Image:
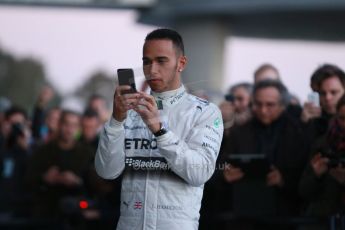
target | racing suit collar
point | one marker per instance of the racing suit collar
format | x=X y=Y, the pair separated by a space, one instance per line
x=170 y=98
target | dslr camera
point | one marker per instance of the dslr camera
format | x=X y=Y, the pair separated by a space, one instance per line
x=229 y=97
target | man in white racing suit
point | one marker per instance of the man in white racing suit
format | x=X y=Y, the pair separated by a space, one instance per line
x=165 y=144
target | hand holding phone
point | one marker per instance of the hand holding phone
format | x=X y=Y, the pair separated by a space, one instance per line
x=126 y=96
x=314 y=99
x=311 y=109
x=126 y=77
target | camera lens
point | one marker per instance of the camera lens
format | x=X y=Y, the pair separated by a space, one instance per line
x=229 y=97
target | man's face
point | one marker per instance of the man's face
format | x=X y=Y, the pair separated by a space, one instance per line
x=267 y=106
x=52 y=119
x=331 y=91
x=17 y=118
x=69 y=127
x=161 y=63
x=90 y=127
x=241 y=99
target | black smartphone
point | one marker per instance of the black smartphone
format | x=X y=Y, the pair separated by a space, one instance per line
x=126 y=77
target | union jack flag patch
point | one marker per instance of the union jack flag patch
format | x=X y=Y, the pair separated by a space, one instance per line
x=138 y=205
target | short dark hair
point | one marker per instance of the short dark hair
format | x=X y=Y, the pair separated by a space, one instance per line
x=66 y=112
x=326 y=71
x=247 y=86
x=90 y=113
x=14 y=110
x=169 y=34
x=284 y=93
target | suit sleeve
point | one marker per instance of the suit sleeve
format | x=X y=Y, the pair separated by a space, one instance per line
x=194 y=158
x=110 y=155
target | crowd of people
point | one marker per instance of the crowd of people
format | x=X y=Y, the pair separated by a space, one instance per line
x=47 y=167
x=47 y=159
x=280 y=160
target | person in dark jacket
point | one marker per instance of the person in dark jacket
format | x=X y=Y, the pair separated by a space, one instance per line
x=90 y=126
x=45 y=119
x=14 y=197
x=60 y=169
x=279 y=138
x=330 y=83
x=105 y=192
x=323 y=181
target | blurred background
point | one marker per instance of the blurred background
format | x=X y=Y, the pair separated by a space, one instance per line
x=77 y=46
x=63 y=54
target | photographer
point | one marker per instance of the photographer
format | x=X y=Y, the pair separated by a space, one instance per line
x=235 y=108
x=13 y=162
x=240 y=96
x=323 y=182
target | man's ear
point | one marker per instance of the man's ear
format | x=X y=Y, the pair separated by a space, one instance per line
x=182 y=63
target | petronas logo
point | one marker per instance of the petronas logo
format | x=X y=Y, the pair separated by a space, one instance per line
x=216 y=122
